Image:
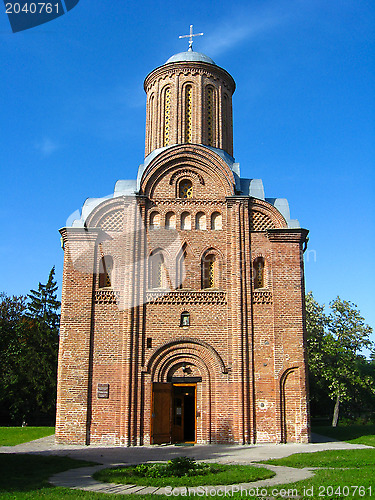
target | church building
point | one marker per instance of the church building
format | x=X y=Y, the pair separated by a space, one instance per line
x=182 y=317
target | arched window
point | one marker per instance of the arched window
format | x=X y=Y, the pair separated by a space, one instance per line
x=151 y=124
x=180 y=267
x=167 y=115
x=185 y=189
x=185 y=221
x=105 y=271
x=209 y=271
x=156 y=270
x=258 y=268
x=226 y=124
x=188 y=113
x=155 y=220
x=224 y=112
x=216 y=221
x=210 y=113
x=200 y=221
x=170 y=220
x=185 y=319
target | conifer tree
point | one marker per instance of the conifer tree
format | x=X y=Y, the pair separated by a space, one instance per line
x=43 y=304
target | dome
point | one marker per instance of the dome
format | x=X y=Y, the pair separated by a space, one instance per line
x=190 y=55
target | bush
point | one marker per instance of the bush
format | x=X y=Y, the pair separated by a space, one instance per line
x=177 y=467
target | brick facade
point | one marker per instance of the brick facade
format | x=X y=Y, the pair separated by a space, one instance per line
x=183 y=299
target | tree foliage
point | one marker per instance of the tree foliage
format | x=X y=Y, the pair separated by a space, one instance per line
x=28 y=354
x=339 y=373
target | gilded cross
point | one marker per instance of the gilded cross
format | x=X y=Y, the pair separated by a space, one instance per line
x=190 y=36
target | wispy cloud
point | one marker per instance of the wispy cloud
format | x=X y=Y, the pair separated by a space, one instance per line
x=47 y=146
x=246 y=26
x=109 y=113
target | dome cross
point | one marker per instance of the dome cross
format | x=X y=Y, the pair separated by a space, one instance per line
x=190 y=36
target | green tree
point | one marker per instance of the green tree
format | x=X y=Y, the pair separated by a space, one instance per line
x=316 y=327
x=334 y=342
x=350 y=334
x=28 y=353
x=12 y=314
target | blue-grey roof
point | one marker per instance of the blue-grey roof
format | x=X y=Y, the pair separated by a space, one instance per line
x=190 y=55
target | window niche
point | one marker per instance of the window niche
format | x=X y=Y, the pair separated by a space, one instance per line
x=155 y=220
x=185 y=319
x=105 y=271
x=185 y=189
x=216 y=221
x=185 y=221
x=209 y=271
x=259 y=273
x=210 y=121
x=156 y=270
x=167 y=115
x=188 y=113
x=200 y=221
x=170 y=220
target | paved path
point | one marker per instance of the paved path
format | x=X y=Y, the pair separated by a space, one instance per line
x=82 y=479
x=108 y=456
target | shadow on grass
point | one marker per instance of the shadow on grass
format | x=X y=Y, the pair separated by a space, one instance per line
x=22 y=473
x=360 y=434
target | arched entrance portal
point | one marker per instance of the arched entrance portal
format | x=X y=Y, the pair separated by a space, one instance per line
x=178 y=398
x=183 y=378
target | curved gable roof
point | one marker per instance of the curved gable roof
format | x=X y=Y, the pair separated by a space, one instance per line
x=201 y=158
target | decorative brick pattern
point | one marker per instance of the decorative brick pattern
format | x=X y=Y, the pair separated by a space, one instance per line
x=112 y=222
x=262 y=297
x=187 y=297
x=106 y=296
x=260 y=222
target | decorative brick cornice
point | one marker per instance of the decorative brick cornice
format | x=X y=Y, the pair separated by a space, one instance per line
x=187 y=297
x=237 y=200
x=262 y=297
x=287 y=235
x=185 y=202
x=80 y=234
x=190 y=67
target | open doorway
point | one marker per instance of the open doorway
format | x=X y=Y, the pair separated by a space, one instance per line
x=184 y=413
x=174 y=413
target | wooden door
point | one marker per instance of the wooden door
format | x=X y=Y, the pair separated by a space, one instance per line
x=161 y=412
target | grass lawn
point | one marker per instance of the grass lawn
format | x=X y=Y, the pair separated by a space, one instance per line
x=10 y=436
x=343 y=471
x=222 y=474
x=360 y=434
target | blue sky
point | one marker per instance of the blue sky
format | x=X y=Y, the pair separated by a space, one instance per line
x=73 y=111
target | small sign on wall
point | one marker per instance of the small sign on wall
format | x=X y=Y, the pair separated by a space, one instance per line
x=103 y=391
